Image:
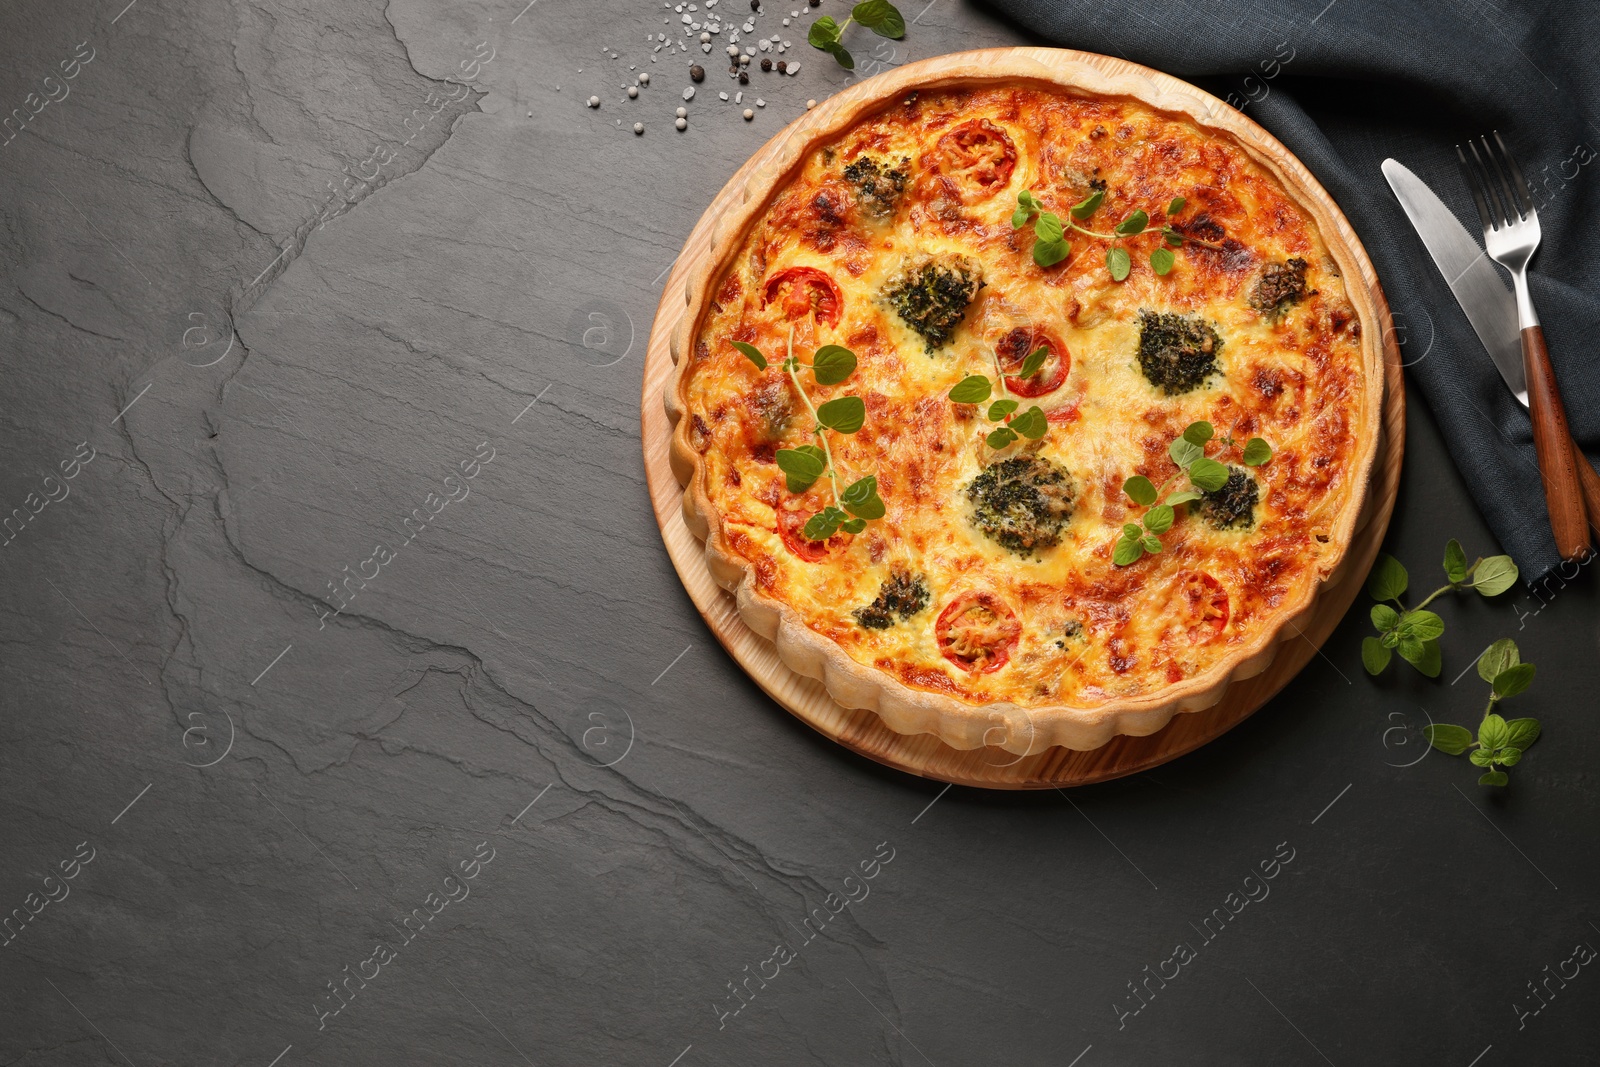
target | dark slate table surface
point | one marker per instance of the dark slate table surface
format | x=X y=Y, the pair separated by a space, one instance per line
x=275 y=281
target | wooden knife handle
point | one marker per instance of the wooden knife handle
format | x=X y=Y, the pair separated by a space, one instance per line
x=1589 y=482
x=1552 y=440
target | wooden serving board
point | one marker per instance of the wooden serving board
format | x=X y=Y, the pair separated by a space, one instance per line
x=992 y=767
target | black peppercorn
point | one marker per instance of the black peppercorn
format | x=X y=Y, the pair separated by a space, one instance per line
x=744 y=78
x=755 y=5
x=697 y=73
x=766 y=64
x=816 y=3
x=782 y=66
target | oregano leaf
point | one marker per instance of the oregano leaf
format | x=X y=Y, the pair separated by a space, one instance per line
x=1498 y=657
x=1118 y=263
x=1451 y=740
x=1388 y=579
x=1140 y=490
x=973 y=389
x=1374 y=656
x=833 y=364
x=1494 y=575
x=752 y=353
x=1256 y=452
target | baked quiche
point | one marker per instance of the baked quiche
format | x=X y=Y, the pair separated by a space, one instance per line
x=1009 y=395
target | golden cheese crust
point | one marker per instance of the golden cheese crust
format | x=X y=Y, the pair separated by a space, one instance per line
x=931 y=593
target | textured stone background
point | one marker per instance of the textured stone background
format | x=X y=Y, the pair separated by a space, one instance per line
x=285 y=266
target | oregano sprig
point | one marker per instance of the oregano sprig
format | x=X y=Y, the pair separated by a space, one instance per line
x=879 y=16
x=1500 y=743
x=858 y=502
x=1050 y=231
x=1415 y=632
x=976 y=388
x=1205 y=475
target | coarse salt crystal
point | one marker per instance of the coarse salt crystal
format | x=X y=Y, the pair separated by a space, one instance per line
x=688 y=94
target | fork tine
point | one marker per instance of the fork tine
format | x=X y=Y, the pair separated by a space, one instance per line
x=1476 y=185
x=1525 y=197
x=1513 y=213
x=1486 y=183
x=1497 y=204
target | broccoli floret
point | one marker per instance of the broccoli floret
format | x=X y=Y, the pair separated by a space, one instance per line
x=901 y=594
x=933 y=294
x=1022 y=503
x=878 y=185
x=1071 y=632
x=1177 y=352
x=1234 y=505
x=1281 y=286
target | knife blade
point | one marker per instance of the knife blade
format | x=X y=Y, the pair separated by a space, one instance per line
x=1467 y=269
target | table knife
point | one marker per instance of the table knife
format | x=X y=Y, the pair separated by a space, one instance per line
x=1488 y=304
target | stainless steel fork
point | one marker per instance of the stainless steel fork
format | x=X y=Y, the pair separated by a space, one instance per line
x=1510 y=235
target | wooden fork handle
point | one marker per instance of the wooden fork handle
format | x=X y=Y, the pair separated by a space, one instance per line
x=1552 y=440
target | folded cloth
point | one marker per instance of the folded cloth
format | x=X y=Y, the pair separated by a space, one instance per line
x=1346 y=84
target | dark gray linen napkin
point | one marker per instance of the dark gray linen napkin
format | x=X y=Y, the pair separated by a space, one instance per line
x=1348 y=83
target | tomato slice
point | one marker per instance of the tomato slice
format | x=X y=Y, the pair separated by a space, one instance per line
x=976 y=632
x=1014 y=349
x=792 y=523
x=980 y=152
x=805 y=291
x=1205 y=602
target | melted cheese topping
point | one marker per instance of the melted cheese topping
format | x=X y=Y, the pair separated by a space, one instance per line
x=1082 y=631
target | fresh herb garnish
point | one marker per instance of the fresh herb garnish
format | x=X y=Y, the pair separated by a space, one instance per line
x=976 y=388
x=1415 y=632
x=1205 y=475
x=1500 y=743
x=879 y=16
x=1050 y=230
x=858 y=502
